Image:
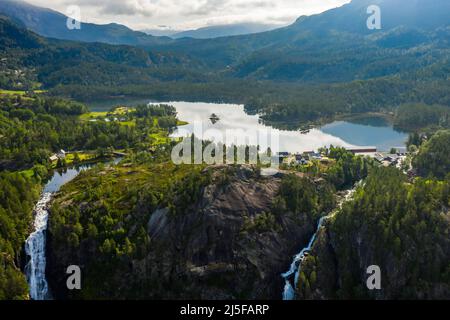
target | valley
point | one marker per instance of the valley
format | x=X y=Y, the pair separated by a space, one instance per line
x=358 y=171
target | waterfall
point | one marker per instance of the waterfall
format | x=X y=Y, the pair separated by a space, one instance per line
x=36 y=242
x=35 y=250
x=296 y=265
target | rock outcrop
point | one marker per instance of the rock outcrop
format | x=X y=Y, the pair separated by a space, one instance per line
x=226 y=245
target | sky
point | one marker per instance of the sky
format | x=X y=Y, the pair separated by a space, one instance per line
x=190 y=14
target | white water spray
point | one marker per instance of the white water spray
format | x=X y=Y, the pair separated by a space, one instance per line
x=35 y=249
x=296 y=265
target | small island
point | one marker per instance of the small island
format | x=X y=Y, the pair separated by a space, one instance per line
x=214 y=118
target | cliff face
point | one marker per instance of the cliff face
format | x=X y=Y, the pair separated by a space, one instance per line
x=226 y=245
x=344 y=277
x=217 y=249
x=402 y=228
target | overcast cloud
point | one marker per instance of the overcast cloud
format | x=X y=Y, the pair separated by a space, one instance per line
x=190 y=14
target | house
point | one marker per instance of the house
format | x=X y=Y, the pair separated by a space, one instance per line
x=402 y=151
x=379 y=157
x=312 y=155
x=61 y=154
x=388 y=159
x=300 y=159
x=393 y=158
x=281 y=156
x=362 y=150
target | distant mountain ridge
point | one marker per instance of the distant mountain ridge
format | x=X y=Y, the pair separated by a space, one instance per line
x=52 y=24
x=350 y=18
x=334 y=46
x=237 y=29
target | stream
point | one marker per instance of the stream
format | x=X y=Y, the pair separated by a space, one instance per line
x=35 y=245
x=296 y=265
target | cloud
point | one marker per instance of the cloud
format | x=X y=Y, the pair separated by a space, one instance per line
x=188 y=14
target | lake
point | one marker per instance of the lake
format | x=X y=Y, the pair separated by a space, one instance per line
x=369 y=131
x=363 y=132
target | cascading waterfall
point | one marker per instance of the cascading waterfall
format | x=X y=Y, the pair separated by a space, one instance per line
x=36 y=242
x=296 y=266
x=289 y=291
x=35 y=249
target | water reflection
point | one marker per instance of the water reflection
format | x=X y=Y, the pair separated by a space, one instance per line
x=373 y=131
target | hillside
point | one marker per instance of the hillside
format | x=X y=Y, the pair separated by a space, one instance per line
x=304 y=72
x=52 y=24
x=59 y=62
x=334 y=46
x=396 y=223
x=400 y=227
x=178 y=232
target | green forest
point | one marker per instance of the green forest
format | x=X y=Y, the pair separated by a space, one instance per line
x=143 y=227
x=298 y=89
x=34 y=127
x=31 y=129
x=18 y=196
x=398 y=224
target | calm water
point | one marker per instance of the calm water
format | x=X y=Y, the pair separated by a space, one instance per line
x=62 y=176
x=370 y=131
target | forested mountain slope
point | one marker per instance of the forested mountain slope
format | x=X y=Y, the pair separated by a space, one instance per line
x=304 y=72
x=52 y=24
x=400 y=225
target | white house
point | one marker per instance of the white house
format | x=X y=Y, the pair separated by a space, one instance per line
x=61 y=154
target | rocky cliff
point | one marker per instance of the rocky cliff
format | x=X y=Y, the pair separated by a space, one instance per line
x=228 y=243
x=403 y=228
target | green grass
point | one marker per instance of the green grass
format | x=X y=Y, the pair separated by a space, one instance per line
x=93 y=115
x=120 y=111
x=160 y=138
x=83 y=157
x=12 y=92
x=182 y=123
x=18 y=92
x=28 y=173
x=128 y=123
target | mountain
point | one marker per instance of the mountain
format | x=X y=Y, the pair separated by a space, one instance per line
x=329 y=69
x=52 y=24
x=405 y=22
x=225 y=30
x=406 y=236
x=160 y=32
x=60 y=62
x=309 y=38
x=234 y=245
x=352 y=17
